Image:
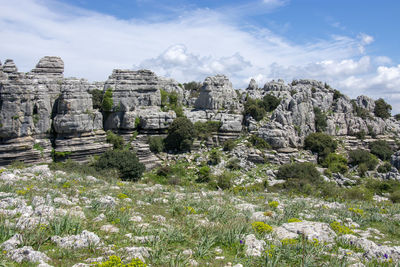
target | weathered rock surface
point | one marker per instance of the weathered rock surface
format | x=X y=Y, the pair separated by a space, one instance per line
x=217 y=93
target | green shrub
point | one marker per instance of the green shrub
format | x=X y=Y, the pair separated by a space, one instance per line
x=261 y=227
x=126 y=162
x=254 y=108
x=397 y=117
x=204 y=130
x=203 y=174
x=359 y=111
x=156 y=144
x=258 y=108
x=395 y=196
x=270 y=102
x=224 y=180
x=97 y=98
x=385 y=167
x=169 y=101
x=335 y=163
x=116 y=140
x=381 y=149
x=382 y=109
x=302 y=171
x=320 y=120
x=164 y=171
x=320 y=143
x=359 y=156
x=115 y=261
x=215 y=157
x=357 y=193
x=107 y=103
x=233 y=164
x=380 y=187
x=229 y=145
x=180 y=135
x=360 y=135
x=259 y=142
x=337 y=94
x=60 y=156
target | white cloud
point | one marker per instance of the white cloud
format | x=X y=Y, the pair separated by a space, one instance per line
x=192 y=46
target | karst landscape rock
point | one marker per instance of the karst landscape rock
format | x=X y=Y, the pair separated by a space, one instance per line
x=225 y=201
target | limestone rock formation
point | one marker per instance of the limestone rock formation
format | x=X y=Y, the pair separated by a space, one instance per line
x=77 y=124
x=217 y=93
x=294 y=118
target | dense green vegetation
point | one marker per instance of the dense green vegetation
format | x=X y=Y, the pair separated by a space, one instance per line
x=320 y=143
x=258 y=108
x=180 y=135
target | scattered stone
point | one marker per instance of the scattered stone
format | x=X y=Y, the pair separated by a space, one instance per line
x=253 y=246
x=83 y=240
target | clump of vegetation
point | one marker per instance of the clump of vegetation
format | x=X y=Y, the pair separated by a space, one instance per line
x=204 y=130
x=107 y=103
x=320 y=143
x=116 y=140
x=293 y=220
x=335 y=163
x=124 y=161
x=97 y=98
x=180 y=135
x=337 y=94
x=340 y=229
x=359 y=111
x=60 y=155
x=395 y=196
x=365 y=160
x=300 y=177
x=214 y=157
x=361 y=135
x=259 y=142
x=115 y=261
x=385 y=167
x=261 y=228
x=169 y=101
x=156 y=144
x=382 y=109
x=258 y=108
x=233 y=164
x=273 y=204
x=320 y=120
x=305 y=171
x=224 y=180
x=397 y=117
x=229 y=145
x=381 y=149
x=204 y=174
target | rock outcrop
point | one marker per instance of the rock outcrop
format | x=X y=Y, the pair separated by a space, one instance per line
x=41 y=111
x=78 y=127
x=294 y=118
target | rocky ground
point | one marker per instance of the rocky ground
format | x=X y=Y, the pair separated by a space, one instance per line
x=57 y=218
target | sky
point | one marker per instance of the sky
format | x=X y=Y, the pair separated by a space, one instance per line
x=353 y=45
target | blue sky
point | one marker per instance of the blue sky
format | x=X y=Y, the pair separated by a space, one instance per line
x=351 y=44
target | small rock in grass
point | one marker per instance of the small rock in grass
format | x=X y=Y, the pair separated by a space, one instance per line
x=12 y=243
x=99 y=218
x=159 y=218
x=135 y=252
x=135 y=219
x=109 y=228
x=83 y=240
x=187 y=252
x=193 y=263
x=27 y=254
x=253 y=246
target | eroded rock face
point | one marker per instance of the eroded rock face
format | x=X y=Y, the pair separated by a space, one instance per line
x=217 y=93
x=294 y=118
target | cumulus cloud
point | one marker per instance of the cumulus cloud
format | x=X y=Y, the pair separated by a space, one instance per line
x=192 y=46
